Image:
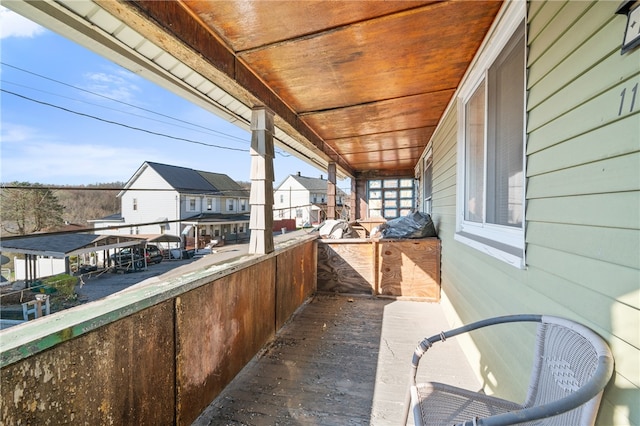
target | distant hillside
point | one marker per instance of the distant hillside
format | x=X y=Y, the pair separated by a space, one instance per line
x=85 y=202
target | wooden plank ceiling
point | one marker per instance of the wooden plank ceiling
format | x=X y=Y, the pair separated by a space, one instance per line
x=366 y=82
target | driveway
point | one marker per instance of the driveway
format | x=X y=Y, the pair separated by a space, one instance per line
x=98 y=285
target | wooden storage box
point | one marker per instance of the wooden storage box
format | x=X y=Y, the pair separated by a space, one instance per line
x=399 y=268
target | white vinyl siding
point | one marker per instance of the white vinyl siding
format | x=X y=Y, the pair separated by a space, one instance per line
x=155 y=199
x=289 y=198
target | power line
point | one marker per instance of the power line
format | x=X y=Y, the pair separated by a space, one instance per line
x=281 y=153
x=116 y=227
x=229 y=216
x=119 y=101
x=125 y=125
x=209 y=131
x=83 y=188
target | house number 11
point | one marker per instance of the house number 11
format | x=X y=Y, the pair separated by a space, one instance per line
x=633 y=99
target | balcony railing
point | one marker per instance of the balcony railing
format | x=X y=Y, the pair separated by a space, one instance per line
x=161 y=352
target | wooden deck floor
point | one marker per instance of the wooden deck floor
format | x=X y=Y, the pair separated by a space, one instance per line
x=340 y=361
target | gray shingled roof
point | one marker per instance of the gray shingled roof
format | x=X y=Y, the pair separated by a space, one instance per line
x=315 y=184
x=184 y=179
x=224 y=184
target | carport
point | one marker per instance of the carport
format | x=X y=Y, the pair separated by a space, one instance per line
x=62 y=247
x=163 y=241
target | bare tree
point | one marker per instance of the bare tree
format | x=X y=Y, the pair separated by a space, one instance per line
x=29 y=207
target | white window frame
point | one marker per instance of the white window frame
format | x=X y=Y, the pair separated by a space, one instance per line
x=386 y=196
x=427 y=196
x=195 y=205
x=501 y=242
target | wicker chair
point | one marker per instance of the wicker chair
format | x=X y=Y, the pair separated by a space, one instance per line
x=572 y=365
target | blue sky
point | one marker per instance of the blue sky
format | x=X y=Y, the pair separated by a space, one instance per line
x=57 y=96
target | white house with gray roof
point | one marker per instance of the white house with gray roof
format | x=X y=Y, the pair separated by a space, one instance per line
x=166 y=199
x=305 y=199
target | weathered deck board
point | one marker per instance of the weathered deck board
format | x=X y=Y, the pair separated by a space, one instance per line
x=339 y=361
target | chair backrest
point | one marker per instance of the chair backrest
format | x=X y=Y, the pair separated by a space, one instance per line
x=567 y=356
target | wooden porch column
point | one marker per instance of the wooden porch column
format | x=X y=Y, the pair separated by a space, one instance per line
x=353 y=202
x=331 y=191
x=261 y=197
x=359 y=206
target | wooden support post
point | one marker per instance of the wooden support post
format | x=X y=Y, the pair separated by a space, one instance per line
x=262 y=177
x=331 y=191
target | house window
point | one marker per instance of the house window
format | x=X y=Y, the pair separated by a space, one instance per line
x=191 y=204
x=281 y=198
x=135 y=204
x=209 y=204
x=427 y=182
x=390 y=198
x=299 y=213
x=231 y=205
x=490 y=208
x=243 y=205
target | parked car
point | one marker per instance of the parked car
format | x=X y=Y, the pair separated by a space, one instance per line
x=124 y=259
x=151 y=252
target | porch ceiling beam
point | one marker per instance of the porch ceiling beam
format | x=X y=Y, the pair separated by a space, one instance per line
x=375 y=174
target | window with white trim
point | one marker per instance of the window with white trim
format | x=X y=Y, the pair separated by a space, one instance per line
x=427 y=181
x=390 y=198
x=491 y=179
x=192 y=204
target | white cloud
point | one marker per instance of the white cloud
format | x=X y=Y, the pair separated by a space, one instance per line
x=15 y=133
x=32 y=157
x=118 y=86
x=15 y=25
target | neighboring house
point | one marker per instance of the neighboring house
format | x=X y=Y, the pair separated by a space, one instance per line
x=547 y=219
x=305 y=200
x=165 y=199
